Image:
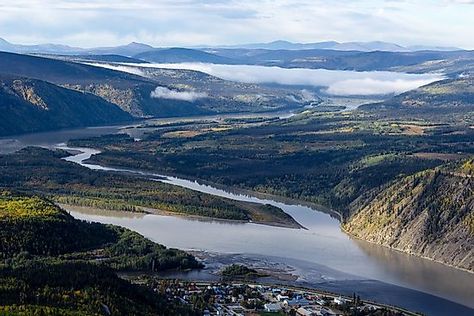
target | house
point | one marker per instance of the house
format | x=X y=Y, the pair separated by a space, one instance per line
x=325 y=311
x=320 y=301
x=281 y=297
x=296 y=302
x=272 y=307
x=339 y=300
x=307 y=311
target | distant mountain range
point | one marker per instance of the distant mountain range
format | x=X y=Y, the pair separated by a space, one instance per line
x=180 y=55
x=356 y=56
x=134 y=49
x=124 y=50
x=347 y=46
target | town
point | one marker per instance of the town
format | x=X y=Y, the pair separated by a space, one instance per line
x=242 y=298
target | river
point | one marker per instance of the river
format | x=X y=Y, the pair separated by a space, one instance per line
x=320 y=254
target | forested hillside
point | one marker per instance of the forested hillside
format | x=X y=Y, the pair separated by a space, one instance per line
x=453 y=94
x=43 y=171
x=430 y=214
x=53 y=264
x=132 y=92
x=29 y=105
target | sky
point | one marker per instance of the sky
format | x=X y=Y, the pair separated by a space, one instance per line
x=92 y=23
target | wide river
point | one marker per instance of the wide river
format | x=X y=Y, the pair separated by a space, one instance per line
x=320 y=254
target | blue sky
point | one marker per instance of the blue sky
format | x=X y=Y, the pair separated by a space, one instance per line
x=196 y=22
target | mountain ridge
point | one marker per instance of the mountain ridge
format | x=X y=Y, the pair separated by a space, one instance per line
x=32 y=105
x=343 y=46
x=135 y=48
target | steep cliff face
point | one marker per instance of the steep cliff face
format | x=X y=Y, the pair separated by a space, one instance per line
x=126 y=99
x=430 y=214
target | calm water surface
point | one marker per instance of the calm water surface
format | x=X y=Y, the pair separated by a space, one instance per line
x=322 y=243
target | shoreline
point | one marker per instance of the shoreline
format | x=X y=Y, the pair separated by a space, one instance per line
x=405 y=252
x=319 y=207
x=239 y=191
x=134 y=277
x=157 y=212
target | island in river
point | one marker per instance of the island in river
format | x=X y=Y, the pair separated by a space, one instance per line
x=321 y=245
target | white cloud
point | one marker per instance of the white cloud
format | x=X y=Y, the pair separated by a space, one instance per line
x=371 y=86
x=335 y=82
x=193 y=22
x=127 y=69
x=165 y=93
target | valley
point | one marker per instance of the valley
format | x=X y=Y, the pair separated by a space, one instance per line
x=163 y=228
x=340 y=170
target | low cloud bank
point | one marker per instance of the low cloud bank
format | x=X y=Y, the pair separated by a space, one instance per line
x=128 y=69
x=334 y=82
x=165 y=93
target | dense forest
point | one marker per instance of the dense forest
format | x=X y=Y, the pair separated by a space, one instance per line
x=30 y=105
x=238 y=271
x=343 y=161
x=48 y=231
x=53 y=264
x=43 y=171
x=330 y=159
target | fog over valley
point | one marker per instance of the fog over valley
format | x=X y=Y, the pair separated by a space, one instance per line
x=333 y=82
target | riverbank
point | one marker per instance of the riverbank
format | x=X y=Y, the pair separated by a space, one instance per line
x=290 y=275
x=406 y=252
x=150 y=211
x=319 y=207
x=213 y=187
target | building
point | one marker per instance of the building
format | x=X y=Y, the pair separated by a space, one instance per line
x=272 y=307
x=339 y=300
x=281 y=297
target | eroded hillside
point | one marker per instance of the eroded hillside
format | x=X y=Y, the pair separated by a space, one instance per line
x=430 y=214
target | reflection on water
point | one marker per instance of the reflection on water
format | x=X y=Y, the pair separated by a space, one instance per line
x=322 y=244
x=423 y=274
x=51 y=139
x=100 y=212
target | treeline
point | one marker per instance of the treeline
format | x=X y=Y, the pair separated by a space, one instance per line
x=96 y=203
x=77 y=288
x=53 y=264
x=31 y=226
x=332 y=169
x=41 y=170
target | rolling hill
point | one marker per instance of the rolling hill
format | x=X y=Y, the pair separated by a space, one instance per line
x=451 y=94
x=30 y=105
x=337 y=59
x=53 y=264
x=181 y=55
x=132 y=92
